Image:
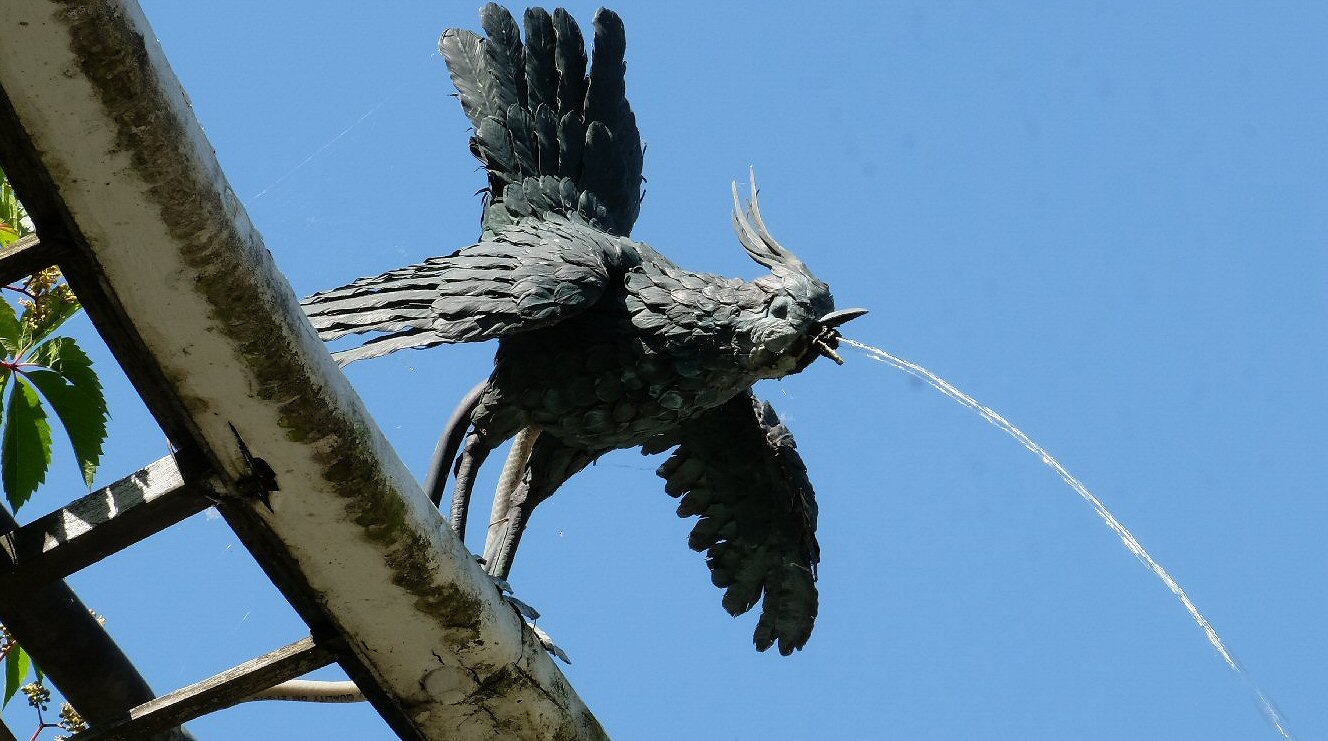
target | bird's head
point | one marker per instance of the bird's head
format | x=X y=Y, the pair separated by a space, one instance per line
x=799 y=323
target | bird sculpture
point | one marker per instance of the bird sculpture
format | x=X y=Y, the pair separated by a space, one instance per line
x=603 y=342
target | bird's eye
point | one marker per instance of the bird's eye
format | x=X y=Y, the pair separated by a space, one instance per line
x=779 y=308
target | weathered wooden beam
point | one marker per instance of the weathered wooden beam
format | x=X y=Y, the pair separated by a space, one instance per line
x=25 y=257
x=101 y=128
x=97 y=525
x=75 y=651
x=214 y=693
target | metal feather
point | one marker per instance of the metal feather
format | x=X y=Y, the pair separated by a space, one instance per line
x=505 y=58
x=464 y=53
x=541 y=71
x=570 y=61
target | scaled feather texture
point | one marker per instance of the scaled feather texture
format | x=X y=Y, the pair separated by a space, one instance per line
x=603 y=342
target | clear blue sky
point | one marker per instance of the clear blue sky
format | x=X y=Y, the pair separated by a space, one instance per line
x=1105 y=220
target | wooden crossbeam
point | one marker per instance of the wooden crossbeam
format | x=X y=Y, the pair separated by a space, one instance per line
x=75 y=651
x=25 y=257
x=221 y=691
x=97 y=525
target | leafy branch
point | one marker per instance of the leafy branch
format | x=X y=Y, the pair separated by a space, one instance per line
x=37 y=368
x=17 y=667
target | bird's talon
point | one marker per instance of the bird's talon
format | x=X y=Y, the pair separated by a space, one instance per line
x=522 y=608
x=505 y=589
x=546 y=641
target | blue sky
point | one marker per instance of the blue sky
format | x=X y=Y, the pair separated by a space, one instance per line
x=1104 y=220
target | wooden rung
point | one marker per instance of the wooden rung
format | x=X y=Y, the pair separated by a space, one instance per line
x=221 y=691
x=25 y=257
x=97 y=525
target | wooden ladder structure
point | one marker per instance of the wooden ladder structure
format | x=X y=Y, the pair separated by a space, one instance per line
x=101 y=144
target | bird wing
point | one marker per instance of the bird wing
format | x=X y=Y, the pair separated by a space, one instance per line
x=564 y=160
x=555 y=140
x=738 y=468
x=532 y=274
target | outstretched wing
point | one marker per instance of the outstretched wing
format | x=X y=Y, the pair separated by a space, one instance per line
x=531 y=275
x=564 y=161
x=737 y=466
x=554 y=139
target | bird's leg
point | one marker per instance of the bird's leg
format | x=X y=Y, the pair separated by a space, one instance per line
x=510 y=512
x=537 y=466
x=450 y=442
x=547 y=464
x=477 y=449
x=511 y=509
x=508 y=500
x=472 y=457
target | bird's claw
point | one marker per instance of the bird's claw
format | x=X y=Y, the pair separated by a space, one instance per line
x=546 y=641
x=505 y=589
x=522 y=608
x=529 y=615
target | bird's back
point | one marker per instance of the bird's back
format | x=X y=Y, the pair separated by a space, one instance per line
x=659 y=347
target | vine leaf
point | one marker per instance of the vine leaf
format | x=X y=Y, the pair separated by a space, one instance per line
x=11 y=332
x=12 y=214
x=74 y=392
x=25 y=453
x=16 y=670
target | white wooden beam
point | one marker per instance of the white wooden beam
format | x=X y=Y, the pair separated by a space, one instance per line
x=102 y=128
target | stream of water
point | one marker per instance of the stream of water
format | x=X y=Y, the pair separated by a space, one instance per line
x=940 y=384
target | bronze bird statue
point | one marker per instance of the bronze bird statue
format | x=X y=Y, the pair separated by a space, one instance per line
x=603 y=342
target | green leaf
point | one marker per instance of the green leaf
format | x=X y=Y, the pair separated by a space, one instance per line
x=82 y=414
x=77 y=397
x=57 y=306
x=8 y=234
x=11 y=332
x=11 y=212
x=25 y=453
x=64 y=356
x=16 y=670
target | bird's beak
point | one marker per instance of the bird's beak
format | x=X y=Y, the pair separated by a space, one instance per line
x=836 y=318
x=827 y=339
